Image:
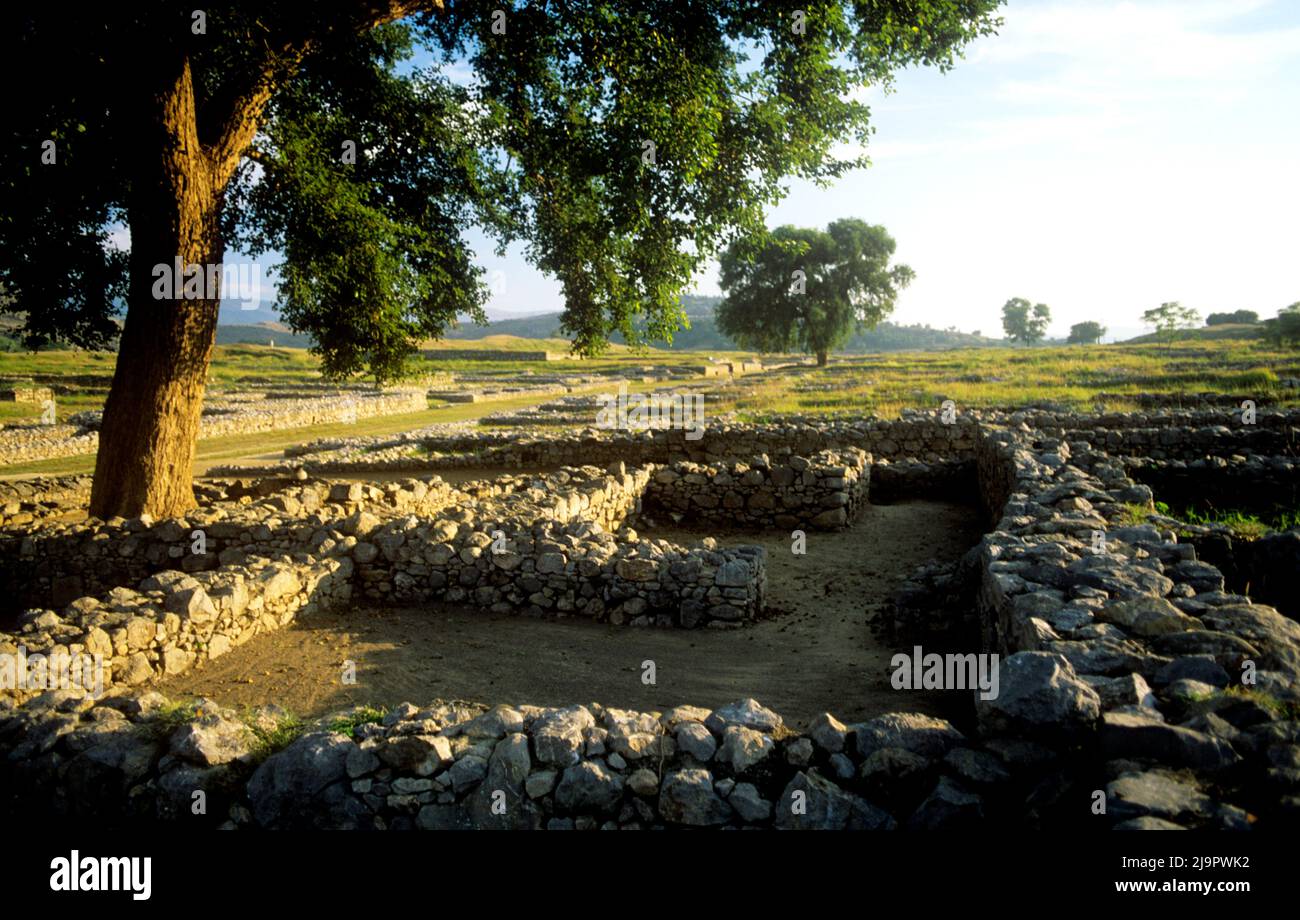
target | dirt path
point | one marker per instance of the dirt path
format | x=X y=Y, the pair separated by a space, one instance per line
x=814 y=653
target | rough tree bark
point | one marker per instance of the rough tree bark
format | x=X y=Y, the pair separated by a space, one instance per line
x=184 y=160
x=151 y=417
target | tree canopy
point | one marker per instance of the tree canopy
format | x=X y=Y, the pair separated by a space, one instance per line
x=1169 y=317
x=1086 y=333
x=623 y=143
x=1247 y=317
x=806 y=289
x=1024 y=323
x=1284 y=329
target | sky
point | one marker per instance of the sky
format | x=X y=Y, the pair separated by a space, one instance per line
x=1100 y=157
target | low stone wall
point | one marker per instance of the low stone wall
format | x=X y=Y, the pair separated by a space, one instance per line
x=489 y=354
x=454 y=765
x=1087 y=424
x=26 y=394
x=1257 y=484
x=1138 y=646
x=1128 y=677
x=824 y=491
x=541 y=552
x=247 y=416
x=23 y=501
x=511 y=544
x=917 y=437
x=54 y=563
x=25 y=443
x=175 y=621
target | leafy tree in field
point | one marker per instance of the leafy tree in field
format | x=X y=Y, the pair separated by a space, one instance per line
x=1023 y=323
x=1087 y=333
x=624 y=143
x=1284 y=329
x=1169 y=317
x=808 y=289
x=1247 y=317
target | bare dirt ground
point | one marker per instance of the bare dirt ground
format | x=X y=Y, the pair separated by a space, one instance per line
x=814 y=652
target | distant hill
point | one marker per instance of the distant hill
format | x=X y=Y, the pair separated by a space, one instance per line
x=1225 y=331
x=703 y=335
x=507 y=342
x=233 y=313
x=262 y=334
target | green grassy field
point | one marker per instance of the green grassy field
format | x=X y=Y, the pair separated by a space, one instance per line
x=267 y=445
x=1107 y=377
x=1078 y=377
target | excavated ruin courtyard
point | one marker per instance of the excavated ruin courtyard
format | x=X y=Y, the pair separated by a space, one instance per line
x=814 y=648
x=505 y=624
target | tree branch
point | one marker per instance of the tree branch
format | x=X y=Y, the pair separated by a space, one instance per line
x=240 y=116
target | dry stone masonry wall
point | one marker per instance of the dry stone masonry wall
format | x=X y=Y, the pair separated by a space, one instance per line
x=1128 y=666
x=824 y=491
x=245 y=412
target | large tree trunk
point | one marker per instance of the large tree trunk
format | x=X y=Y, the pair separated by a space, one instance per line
x=151 y=418
x=821 y=359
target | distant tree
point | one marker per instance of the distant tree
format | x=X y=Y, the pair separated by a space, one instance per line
x=1023 y=323
x=1169 y=317
x=1248 y=317
x=808 y=289
x=1285 y=328
x=1086 y=333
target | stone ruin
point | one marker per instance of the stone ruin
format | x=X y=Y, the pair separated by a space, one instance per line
x=247 y=410
x=1134 y=672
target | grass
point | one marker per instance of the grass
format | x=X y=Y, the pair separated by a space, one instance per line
x=1241 y=523
x=1281 y=709
x=279 y=735
x=1134 y=514
x=268 y=734
x=175 y=713
x=1078 y=377
x=363 y=715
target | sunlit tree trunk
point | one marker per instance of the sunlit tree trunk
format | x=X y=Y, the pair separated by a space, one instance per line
x=151 y=418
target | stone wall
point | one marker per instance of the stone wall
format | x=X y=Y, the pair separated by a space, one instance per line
x=489 y=354
x=175 y=621
x=253 y=412
x=1126 y=669
x=54 y=563
x=1166 y=671
x=543 y=551
x=26 y=394
x=1258 y=484
x=918 y=437
x=23 y=501
x=824 y=491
